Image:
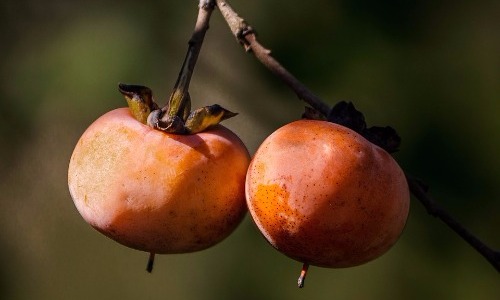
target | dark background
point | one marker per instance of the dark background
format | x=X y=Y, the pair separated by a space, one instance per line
x=431 y=70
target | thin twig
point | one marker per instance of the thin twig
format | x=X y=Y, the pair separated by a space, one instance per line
x=246 y=36
x=419 y=190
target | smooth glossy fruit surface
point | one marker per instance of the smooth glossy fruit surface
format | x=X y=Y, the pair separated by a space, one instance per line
x=158 y=192
x=322 y=194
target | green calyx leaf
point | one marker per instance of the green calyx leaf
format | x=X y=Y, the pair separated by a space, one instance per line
x=206 y=117
x=139 y=99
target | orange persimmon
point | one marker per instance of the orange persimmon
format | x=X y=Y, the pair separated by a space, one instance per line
x=155 y=191
x=324 y=195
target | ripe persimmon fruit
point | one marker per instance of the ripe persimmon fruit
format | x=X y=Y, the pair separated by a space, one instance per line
x=156 y=191
x=323 y=195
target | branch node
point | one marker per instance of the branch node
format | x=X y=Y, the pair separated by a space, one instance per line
x=241 y=35
x=244 y=31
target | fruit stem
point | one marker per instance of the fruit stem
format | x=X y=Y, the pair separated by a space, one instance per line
x=151 y=262
x=179 y=103
x=302 y=277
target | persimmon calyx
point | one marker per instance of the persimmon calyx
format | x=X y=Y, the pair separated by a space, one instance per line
x=345 y=114
x=176 y=117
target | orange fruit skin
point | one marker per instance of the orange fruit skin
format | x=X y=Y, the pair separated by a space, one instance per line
x=158 y=192
x=322 y=194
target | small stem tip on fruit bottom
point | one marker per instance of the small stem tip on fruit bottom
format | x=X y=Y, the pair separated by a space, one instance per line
x=151 y=262
x=302 y=277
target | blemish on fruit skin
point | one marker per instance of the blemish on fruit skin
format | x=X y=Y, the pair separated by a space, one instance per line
x=281 y=215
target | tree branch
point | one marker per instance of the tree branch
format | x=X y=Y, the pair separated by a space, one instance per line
x=246 y=36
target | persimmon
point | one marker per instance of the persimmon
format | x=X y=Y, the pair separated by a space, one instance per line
x=156 y=191
x=323 y=195
x=162 y=180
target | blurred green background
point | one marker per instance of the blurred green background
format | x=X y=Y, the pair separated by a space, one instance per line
x=431 y=69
